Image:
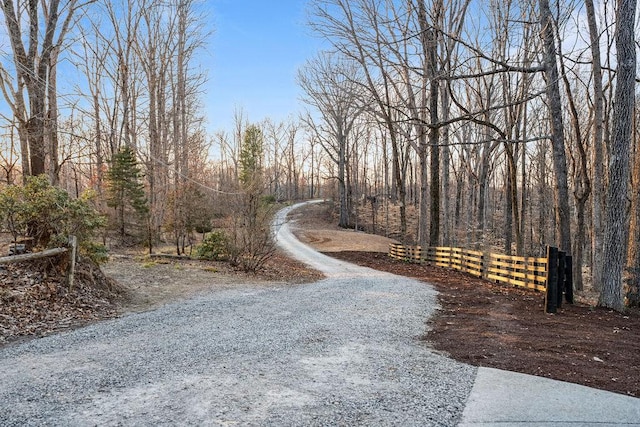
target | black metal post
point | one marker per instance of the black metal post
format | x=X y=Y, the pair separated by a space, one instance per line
x=551 y=296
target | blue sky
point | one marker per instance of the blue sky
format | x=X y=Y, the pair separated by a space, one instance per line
x=256 y=49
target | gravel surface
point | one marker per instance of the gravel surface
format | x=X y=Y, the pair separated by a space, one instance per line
x=346 y=350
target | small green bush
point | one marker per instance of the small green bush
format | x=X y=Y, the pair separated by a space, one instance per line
x=213 y=247
x=269 y=199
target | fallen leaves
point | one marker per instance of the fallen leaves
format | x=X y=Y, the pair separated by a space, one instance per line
x=35 y=300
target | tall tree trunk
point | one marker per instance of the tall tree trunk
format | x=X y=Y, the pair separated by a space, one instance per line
x=446 y=184
x=343 y=220
x=434 y=154
x=513 y=211
x=35 y=132
x=524 y=193
x=563 y=219
x=423 y=195
x=483 y=183
x=508 y=215
x=431 y=58
x=24 y=150
x=633 y=262
x=597 y=156
x=52 y=120
x=98 y=147
x=617 y=225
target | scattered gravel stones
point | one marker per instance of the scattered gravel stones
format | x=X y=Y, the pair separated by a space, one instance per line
x=342 y=351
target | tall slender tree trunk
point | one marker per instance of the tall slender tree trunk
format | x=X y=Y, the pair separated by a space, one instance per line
x=597 y=156
x=617 y=224
x=52 y=120
x=446 y=183
x=508 y=215
x=430 y=93
x=423 y=196
x=482 y=197
x=513 y=212
x=563 y=218
x=524 y=193
x=343 y=220
x=398 y=190
x=434 y=154
x=431 y=58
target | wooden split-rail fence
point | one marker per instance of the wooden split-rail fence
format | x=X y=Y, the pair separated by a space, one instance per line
x=550 y=274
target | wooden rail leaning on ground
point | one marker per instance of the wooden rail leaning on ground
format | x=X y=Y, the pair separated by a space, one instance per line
x=32 y=256
x=73 y=248
x=551 y=274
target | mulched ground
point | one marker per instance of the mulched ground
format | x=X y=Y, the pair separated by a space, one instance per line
x=490 y=325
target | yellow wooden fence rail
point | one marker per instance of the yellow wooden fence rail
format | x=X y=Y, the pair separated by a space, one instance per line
x=551 y=274
x=525 y=272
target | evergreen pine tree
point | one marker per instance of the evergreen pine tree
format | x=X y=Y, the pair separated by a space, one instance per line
x=124 y=190
x=251 y=154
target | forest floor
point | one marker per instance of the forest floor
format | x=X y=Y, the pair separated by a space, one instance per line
x=479 y=323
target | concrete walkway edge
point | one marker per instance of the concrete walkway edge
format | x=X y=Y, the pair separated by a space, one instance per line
x=502 y=398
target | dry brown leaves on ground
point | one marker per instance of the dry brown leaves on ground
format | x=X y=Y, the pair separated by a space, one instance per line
x=36 y=300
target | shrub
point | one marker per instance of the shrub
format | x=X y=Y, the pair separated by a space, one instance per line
x=213 y=247
x=49 y=215
x=269 y=199
x=13 y=211
x=97 y=252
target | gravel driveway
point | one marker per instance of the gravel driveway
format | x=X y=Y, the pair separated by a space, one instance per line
x=346 y=350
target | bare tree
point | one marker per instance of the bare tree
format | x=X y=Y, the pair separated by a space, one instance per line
x=9 y=155
x=371 y=50
x=274 y=136
x=328 y=82
x=35 y=61
x=579 y=167
x=292 y=162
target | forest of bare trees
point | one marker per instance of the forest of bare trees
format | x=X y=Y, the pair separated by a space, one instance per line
x=505 y=124
x=495 y=125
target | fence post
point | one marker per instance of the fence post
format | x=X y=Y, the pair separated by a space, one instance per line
x=568 y=279
x=551 y=296
x=73 y=242
x=562 y=256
